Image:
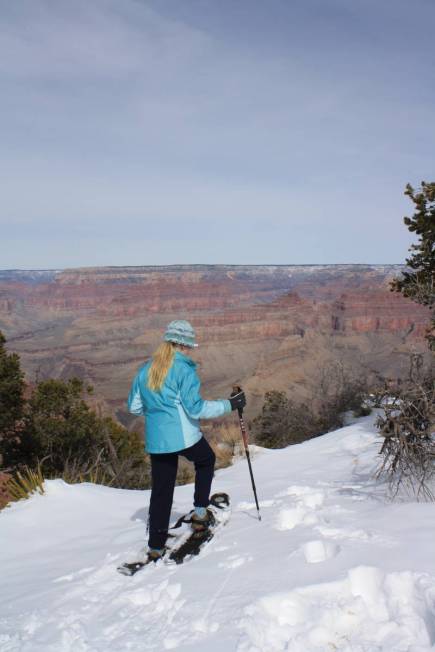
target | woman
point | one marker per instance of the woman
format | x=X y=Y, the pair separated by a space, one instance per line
x=166 y=391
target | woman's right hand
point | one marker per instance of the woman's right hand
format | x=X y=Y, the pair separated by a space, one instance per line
x=238 y=400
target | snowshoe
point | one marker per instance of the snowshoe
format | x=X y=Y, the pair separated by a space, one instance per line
x=131 y=568
x=193 y=545
x=184 y=547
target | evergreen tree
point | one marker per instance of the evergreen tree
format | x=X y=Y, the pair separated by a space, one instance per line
x=11 y=398
x=56 y=428
x=58 y=425
x=70 y=440
x=418 y=281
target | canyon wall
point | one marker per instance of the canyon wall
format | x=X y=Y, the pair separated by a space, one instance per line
x=265 y=327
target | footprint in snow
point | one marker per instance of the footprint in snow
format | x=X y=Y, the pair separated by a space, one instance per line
x=288 y=518
x=245 y=505
x=234 y=561
x=354 y=535
x=223 y=548
x=204 y=627
x=71 y=576
x=343 y=533
x=317 y=551
x=308 y=496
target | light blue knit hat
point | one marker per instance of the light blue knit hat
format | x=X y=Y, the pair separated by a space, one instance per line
x=180 y=332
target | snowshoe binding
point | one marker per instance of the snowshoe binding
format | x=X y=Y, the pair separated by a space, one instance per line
x=203 y=530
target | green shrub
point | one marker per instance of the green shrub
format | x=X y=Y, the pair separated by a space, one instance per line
x=68 y=439
x=283 y=421
x=11 y=399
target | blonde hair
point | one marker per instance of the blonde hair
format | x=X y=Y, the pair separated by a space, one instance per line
x=163 y=357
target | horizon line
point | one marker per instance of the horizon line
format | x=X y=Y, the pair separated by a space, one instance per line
x=86 y=267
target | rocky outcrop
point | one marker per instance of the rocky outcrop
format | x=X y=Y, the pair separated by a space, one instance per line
x=373 y=310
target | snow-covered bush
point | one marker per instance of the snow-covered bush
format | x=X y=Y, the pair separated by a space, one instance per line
x=407 y=423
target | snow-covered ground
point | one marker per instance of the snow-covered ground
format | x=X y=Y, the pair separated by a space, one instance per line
x=333 y=566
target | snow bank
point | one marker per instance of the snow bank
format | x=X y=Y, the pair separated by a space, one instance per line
x=369 y=611
x=332 y=566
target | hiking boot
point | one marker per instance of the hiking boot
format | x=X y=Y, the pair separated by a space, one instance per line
x=200 y=523
x=154 y=554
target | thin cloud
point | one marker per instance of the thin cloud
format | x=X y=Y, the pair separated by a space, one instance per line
x=149 y=115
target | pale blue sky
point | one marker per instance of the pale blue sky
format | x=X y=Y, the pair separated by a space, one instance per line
x=212 y=131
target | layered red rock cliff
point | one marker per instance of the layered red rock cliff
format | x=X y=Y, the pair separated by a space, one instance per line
x=267 y=327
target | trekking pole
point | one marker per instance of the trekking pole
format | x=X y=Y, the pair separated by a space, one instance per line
x=236 y=390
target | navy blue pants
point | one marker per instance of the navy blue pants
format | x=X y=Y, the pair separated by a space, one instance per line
x=163 y=473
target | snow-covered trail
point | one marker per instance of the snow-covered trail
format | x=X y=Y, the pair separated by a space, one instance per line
x=332 y=566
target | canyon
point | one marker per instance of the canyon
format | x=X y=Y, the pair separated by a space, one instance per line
x=264 y=327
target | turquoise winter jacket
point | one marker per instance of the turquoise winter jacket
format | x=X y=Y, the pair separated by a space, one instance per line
x=172 y=414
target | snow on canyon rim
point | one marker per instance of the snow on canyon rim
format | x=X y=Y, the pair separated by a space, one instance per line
x=334 y=565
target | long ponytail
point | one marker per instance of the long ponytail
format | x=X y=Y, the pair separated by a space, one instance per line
x=163 y=358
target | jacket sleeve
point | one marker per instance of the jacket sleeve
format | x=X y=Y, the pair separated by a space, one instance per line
x=195 y=406
x=134 y=402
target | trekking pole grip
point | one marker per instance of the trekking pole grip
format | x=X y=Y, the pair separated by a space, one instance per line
x=236 y=390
